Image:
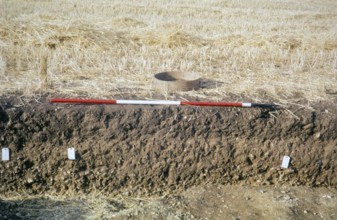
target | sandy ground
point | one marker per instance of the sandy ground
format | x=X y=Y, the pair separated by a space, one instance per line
x=203 y=202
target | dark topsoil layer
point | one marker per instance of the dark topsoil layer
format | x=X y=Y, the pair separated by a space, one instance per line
x=152 y=150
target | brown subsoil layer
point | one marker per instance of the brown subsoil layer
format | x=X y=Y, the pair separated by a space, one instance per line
x=137 y=150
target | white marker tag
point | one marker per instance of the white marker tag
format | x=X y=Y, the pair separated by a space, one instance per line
x=285 y=162
x=5 y=154
x=71 y=153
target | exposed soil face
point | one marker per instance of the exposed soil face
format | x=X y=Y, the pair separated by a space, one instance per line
x=134 y=150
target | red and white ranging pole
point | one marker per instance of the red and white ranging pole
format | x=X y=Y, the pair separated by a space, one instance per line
x=161 y=102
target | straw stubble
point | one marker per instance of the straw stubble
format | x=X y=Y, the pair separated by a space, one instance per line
x=43 y=71
x=282 y=50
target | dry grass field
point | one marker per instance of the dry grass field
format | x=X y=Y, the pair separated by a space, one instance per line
x=282 y=50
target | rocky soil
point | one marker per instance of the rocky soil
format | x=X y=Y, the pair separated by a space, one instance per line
x=137 y=151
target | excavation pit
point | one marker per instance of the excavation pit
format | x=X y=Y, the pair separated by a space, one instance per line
x=152 y=150
x=177 y=81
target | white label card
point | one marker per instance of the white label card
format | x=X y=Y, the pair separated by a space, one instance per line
x=71 y=153
x=285 y=162
x=5 y=154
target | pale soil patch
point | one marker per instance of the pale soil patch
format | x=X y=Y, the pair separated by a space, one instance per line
x=203 y=202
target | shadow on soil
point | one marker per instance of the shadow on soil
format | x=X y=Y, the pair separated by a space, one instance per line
x=210 y=84
x=41 y=208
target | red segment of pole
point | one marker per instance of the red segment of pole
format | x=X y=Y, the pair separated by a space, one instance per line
x=84 y=101
x=224 y=104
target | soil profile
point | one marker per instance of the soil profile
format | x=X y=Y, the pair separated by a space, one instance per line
x=139 y=150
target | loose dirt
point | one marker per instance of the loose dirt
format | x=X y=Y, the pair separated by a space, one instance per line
x=191 y=155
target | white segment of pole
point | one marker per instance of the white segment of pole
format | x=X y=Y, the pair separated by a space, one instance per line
x=148 y=102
